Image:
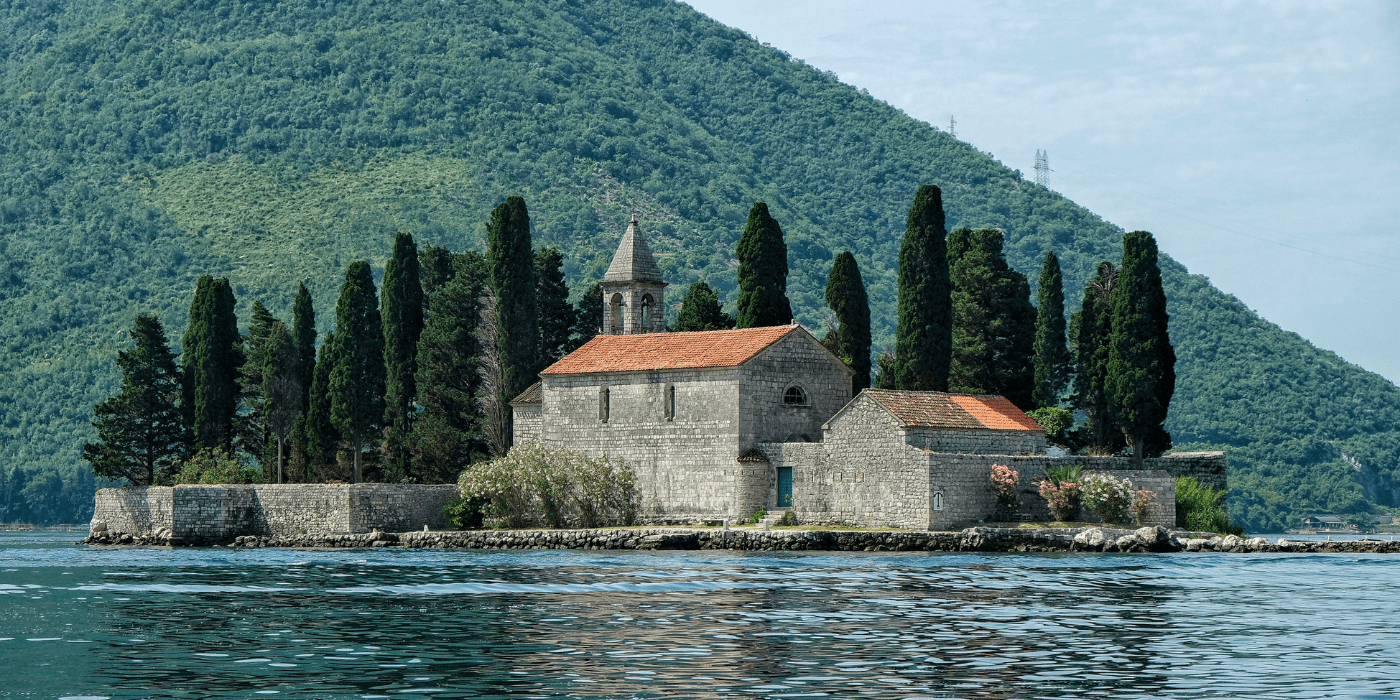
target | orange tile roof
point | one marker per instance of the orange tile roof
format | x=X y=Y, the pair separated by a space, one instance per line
x=652 y=351
x=935 y=409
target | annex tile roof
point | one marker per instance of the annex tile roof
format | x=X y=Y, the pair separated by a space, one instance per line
x=935 y=409
x=652 y=351
x=753 y=455
x=532 y=395
x=633 y=261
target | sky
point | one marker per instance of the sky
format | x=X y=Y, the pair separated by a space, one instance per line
x=1259 y=142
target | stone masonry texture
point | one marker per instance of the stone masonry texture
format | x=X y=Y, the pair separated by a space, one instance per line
x=200 y=514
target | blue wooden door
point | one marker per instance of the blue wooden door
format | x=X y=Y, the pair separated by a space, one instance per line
x=784 y=487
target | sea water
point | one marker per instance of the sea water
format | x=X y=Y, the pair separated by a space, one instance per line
x=80 y=622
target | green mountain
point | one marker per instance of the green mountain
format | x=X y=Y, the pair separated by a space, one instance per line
x=146 y=142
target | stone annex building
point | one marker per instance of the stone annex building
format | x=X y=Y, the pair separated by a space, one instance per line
x=721 y=424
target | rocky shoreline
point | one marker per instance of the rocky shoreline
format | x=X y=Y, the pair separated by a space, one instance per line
x=976 y=539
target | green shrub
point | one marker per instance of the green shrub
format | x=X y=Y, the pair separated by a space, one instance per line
x=1055 y=421
x=533 y=485
x=463 y=513
x=1064 y=473
x=758 y=516
x=210 y=466
x=1202 y=509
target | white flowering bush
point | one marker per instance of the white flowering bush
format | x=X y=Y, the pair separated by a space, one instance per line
x=1109 y=496
x=533 y=485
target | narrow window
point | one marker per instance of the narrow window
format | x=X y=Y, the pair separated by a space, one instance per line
x=603 y=408
x=794 y=396
x=615 y=320
x=646 y=313
x=670 y=402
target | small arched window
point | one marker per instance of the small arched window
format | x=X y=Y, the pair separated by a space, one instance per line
x=604 y=407
x=795 y=396
x=646 y=312
x=615 y=317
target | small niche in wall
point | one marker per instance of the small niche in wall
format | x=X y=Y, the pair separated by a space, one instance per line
x=938 y=500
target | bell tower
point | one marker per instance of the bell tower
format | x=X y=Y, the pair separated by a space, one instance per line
x=633 y=291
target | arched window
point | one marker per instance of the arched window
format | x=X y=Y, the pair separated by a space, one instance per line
x=795 y=396
x=604 y=407
x=615 y=317
x=646 y=312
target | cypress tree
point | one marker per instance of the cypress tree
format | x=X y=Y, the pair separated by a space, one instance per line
x=557 y=316
x=402 y=316
x=212 y=358
x=319 y=435
x=993 y=320
x=254 y=435
x=511 y=274
x=1090 y=329
x=140 y=431
x=435 y=268
x=924 y=337
x=304 y=336
x=1052 y=361
x=357 y=378
x=763 y=271
x=283 y=396
x=700 y=310
x=845 y=294
x=589 y=316
x=1141 y=361
x=448 y=430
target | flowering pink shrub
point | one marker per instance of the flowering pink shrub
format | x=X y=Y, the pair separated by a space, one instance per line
x=1143 y=503
x=1109 y=496
x=1004 y=480
x=1063 y=497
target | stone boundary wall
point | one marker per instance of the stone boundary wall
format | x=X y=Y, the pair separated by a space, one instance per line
x=1092 y=540
x=207 y=514
x=135 y=511
x=1208 y=467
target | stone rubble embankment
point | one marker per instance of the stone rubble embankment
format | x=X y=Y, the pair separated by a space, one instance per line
x=975 y=539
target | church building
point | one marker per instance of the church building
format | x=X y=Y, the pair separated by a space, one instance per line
x=720 y=424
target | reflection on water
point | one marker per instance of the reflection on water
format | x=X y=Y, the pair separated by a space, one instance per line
x=394 y=623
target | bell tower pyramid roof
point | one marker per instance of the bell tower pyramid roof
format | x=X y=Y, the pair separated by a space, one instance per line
x=633 y=261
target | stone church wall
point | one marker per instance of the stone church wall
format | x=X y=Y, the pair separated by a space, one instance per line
x=793 y=360
x=526 y=424
x=686 y=468
x=994 y=442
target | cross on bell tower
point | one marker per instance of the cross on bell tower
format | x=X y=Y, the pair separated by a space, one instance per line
x=633 y=291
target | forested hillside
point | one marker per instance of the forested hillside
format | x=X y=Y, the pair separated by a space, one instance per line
x=146 y=142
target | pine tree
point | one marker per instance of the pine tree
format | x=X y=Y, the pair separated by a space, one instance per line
x=993 y=320
x=557 y=316
x=141 y=431
x=1053 y=363
x=511 y=270
x=449 y=378
x=1141 y=361
x=1090 y=329
x=589 y=316
x=212 y=359
x=763 y=271
x=319 y=435
x=402 y=315
x=924 y=337
x=357 y=378
x=845 y=294
x=700 y=310
x=283 y=396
